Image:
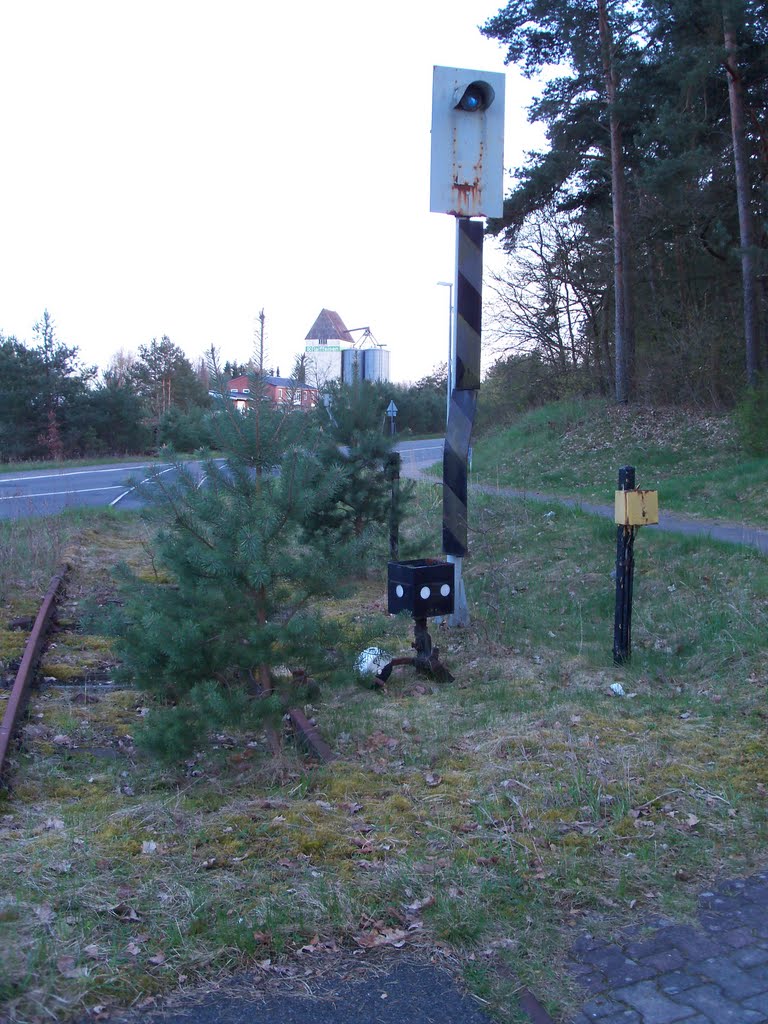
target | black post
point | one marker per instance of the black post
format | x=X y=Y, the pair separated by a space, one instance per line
x=625 y=567
x=393 y=474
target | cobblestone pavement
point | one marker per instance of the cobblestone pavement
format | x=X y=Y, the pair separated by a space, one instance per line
x=713 y=973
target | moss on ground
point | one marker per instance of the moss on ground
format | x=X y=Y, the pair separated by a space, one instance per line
x=490 y=818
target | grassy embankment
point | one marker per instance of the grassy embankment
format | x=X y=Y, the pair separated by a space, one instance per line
x=575 y=449
x=483 y=823
x=64 y=464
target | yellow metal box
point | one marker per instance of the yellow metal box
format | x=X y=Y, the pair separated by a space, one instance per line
x=636 y=508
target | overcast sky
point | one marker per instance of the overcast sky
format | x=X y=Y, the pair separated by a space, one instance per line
x=174 y=166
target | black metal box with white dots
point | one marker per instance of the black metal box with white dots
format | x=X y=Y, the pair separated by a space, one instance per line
x=423 y=587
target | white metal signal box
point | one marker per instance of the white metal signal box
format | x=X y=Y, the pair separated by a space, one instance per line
x=467 y=177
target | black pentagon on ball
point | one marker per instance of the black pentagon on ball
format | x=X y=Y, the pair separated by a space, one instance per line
x=423 y=586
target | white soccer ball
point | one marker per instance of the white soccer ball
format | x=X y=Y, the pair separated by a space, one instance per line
x=371 y=661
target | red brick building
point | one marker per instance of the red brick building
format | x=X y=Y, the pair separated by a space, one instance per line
x=279 y=390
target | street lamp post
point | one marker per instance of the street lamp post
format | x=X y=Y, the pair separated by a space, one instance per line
x=449 y=286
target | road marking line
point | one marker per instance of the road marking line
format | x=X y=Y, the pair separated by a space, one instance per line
x=73 y=472
x=144 y=481
x=54 y=494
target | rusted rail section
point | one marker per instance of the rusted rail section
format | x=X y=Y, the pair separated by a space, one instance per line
x=309 y=734
x=28 y=664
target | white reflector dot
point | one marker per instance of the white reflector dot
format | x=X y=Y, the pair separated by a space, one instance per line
x=399 y=590
x=424 y=593
x=445 y=590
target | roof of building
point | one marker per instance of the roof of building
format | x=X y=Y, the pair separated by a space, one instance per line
x=328 y=326
x=244 y=383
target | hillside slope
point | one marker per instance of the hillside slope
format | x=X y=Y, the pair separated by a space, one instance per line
x=576 y=448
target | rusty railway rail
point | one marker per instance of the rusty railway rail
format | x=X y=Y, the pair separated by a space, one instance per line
x=305 y=730
x=26 y=673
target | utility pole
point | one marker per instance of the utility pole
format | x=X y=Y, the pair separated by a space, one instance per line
x=262 y=318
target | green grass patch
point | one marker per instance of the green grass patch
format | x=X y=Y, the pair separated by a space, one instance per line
x=102 y=460
x=494 y=817
x=575 y=449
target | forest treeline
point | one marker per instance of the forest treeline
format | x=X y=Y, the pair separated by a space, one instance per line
x=636 y=242
x=637 y=239
x=54 y=407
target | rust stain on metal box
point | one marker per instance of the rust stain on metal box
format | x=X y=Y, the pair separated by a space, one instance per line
x=636 y=508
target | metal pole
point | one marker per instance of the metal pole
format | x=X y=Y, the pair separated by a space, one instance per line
x=393 y=473
x=450 y=371
x=461 y=414
x=625 y=569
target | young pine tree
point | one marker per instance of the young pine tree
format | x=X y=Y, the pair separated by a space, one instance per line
x=241 y=601
x=354 y=456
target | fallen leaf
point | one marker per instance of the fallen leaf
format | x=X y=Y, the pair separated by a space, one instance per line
x=433 y=779
x=691 y=821
x=148 y=846
x=133 y=948
x=125 y=912
x=65 y=965
x=157 y=959
x=364 y=845
x=387 y=937
x=45 y=914
x=94 y=951
x=417 y=905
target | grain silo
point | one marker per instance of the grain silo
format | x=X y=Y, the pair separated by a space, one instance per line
x=375 y=364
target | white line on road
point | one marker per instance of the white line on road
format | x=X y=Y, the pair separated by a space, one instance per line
x=56 y=494
x=72 y=472
x=144 y=481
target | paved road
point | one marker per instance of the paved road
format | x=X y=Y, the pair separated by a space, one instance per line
x=386 y=992
x=46 y=492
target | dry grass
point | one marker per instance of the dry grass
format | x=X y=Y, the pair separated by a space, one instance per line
x=482 y=822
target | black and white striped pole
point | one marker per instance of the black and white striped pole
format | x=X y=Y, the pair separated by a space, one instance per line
x=467 y=182
x=465 y=375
